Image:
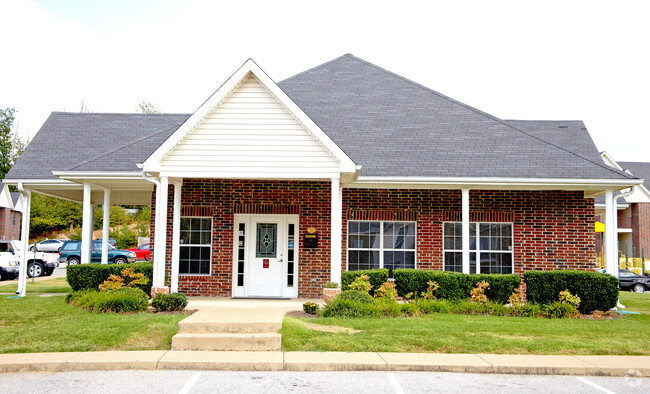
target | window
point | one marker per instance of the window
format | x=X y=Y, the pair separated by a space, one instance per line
x=14 y=223
x=381 y=245
x=492 y=254
x=196 y=245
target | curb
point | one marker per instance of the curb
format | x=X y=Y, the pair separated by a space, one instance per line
x=614 y=366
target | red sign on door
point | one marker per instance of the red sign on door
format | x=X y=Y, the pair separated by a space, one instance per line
x=265 y=263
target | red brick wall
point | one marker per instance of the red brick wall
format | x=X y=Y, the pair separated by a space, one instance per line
x=641 y=228
x=552 y=229
x=9 y=230
x=221 y=199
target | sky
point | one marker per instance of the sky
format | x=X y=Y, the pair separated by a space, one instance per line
x=561 y=60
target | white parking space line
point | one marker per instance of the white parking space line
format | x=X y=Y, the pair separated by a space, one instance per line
x=395 y=383
x=188 y=386
x=594 y=385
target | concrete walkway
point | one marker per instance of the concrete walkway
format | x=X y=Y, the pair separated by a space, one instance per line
x=320 y=361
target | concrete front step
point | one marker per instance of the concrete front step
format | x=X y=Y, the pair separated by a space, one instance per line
x=227 y=341
x=223 y=327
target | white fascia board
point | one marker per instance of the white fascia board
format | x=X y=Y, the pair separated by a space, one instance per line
x=27 y=182
x=153 y=163
x=265 y=176
x=494 y=183
x=619 y=206
x=609 y=160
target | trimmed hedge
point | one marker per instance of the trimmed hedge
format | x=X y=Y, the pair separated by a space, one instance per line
x=377 y=277
x=455 y=285
x=90 y=276
x=597 y=291
x=169 y=302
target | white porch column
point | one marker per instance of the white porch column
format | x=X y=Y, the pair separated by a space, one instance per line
x=24 y=241
x=611 y=236
x=336 y=236
x=176 y=236
x=161 y=233
x=106 y=208
x=465 y=229
x=86 y=226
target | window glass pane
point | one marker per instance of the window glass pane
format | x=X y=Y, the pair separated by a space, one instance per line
x=409 y=242
x=354 y=227
x=364 y=227
x=453 y=261
x=266 y=243
x=472 y=263
x=374 y=228
x=185 y=223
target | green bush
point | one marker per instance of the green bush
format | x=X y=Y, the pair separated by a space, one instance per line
x=349 y=308
x=377 y=277
x=122 y=300
x=169 y=302
x=559 y=310
x=455 y=285
x=90 y=276
x=597 y=291
x=356 y=296
x=124 y=238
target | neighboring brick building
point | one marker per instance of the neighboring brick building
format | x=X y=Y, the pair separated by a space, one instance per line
x=10 y=215
x=633 y=210
x=270 y=190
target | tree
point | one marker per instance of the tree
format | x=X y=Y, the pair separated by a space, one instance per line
x=147 y=108
x=6 y=157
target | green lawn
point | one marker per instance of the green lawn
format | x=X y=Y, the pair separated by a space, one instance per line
x=479 y=334
x=54 y=285
x=48 y=324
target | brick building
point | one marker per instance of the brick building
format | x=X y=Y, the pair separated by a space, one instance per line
x=10 y=215
x=271 y=189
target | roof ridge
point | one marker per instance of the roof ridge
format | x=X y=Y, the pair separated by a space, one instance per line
x=122 y=147
x=603 y=165
x=542 y=120
x=317 y=67
x=117 y=113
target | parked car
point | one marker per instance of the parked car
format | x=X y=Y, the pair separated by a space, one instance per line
x=49 y=245
x=629 y=280
x=111 y=241
x=70 y=253
x=38 y=264
x=142 y=252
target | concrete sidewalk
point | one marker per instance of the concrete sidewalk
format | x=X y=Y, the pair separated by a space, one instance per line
x=328 y=361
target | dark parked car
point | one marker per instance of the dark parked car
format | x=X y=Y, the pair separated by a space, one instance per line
x=629 y=280
x=71 y=253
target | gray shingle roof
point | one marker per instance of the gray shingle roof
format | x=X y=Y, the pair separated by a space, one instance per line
x=384 y=122
x=93 y=142
x=639 y=169
x=396 y=127
x=14 y=197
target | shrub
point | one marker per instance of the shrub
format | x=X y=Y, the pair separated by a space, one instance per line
x=567 y=297
x=376 y=277
x=356 y=296
x=90 y=276
x=124 y=299
x=517 y=298
x=113 y=282
x=454 y=285
x=361 y=283
x=349 y=308
x=330 y=285
x=478 y=293
x=387 y=292
x=559 y=310
x=597 y=291
x=310 y=307
x=169 y=302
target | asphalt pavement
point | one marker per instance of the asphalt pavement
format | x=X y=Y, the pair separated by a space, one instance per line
x=313 y=382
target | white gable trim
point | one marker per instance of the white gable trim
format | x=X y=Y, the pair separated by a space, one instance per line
x=640 y=194
x=5 y=198
x=154 y=162
x=609 y=160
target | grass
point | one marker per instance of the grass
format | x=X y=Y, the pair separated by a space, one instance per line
x=478 y=334
x=49 y=324
x=54 y=285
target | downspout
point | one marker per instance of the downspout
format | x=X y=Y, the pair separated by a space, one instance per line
x=156 y=254
x=615 y=225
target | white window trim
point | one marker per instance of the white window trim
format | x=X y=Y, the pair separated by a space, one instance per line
x=381 y=242
x=477 y=250
x=201 y=245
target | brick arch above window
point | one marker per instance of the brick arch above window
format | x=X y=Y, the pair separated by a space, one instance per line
x=480 y=216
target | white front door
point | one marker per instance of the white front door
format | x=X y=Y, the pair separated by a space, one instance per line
x=267 y=256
